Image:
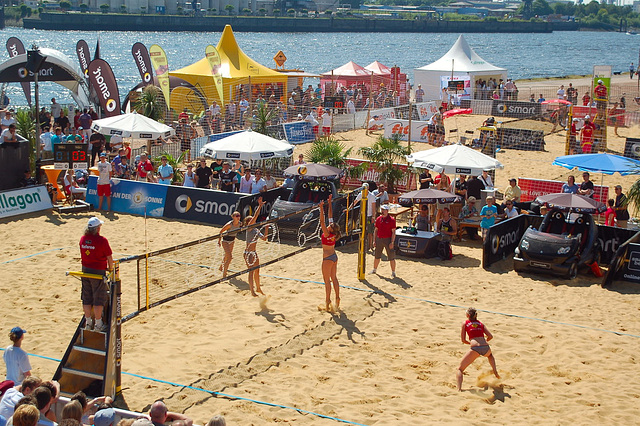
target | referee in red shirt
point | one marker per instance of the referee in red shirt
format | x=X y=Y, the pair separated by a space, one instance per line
x=384 y=237
x=96 y=259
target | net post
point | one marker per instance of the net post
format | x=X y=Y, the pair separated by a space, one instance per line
x=117 y=287
x=138 y=280
x=362 y=254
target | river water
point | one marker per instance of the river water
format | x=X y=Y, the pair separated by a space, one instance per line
x=523 y=55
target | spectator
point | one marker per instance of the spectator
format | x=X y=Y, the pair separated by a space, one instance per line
x=144 y=170
x=485 y=177
x=185 y=133
x=459 y=187
x=586 y=187
x=11 y=397
x=258 y=184
x=326 y=123
x=447 y=226
x=26 y=415
x=15 y=358
x=371 y=211
x=488 y=214
x=8 y=135
x=85 y=124
x=470 y=212
x=216 y=168
x=425 y=179
x=72 y=187
x=384 y=237
x=621 y=203
x=475 y=187
x=381 y=194
x=7 y=120
x=300 y=160
x=96 y=259
x=165 y=172
x=510 y=210
x=217 y=420
x=104 y=417
x=72 y=410
x=97 y=141
x=610 y=214
x=62 y=121
x=44 y=400
x=541 y=99
x=205 y=122
x=270 y=180
x=422 y=219
x=76 y=120
x=189 y=177
x=203 y=175
x=246 y=181
x=105 y=173
x=27 y=180
x=126 y=147
x=160 y=415
x=56 y=137
x=116 y=143
x=570 y=187
x=45 y=143
x=419 y=94
x=513 y=191
x=228 y=178
x=55 y=108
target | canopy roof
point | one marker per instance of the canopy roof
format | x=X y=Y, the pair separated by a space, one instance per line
x=235 y=63
x=350 y=69
x=378 y=68
x=57 y=67
x=607 y=164
x=457 y=158
x=132 y=125
x=247 y=145
x=465 y=59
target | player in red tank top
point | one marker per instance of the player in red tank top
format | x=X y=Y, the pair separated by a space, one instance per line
x=476 y=331
x=328 y=237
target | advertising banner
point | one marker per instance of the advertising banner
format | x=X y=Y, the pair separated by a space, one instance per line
x=200 y=205
x=632 y=148
x=533 y=188
x=517 y=109
x=129 y=196
x=426 y=110
x=15 y=48
x=161 y=67
x=384 y=113
x=631 y=270
x=104 y=83
x=248 y=203
x=299 y=132
x=24 y=200
x=460 y=89
x=143 y=62
x=408 y=183
x=212 y=55
x=611 y=238
x=521 y=139
x=84 y=56
x=419 y=130
x=504 y=237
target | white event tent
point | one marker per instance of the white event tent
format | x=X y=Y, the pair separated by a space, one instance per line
x=461 y=61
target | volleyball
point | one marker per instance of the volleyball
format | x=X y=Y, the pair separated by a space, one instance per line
x=302 y=170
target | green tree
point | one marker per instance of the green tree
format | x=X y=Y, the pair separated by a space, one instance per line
x=330 y=151
x=123 y=8
x=23 y=10
x=541 y=8
x=65 y=5
x=291 y=12
x=104 y=7
x=385 y=153
x=179 y=10
x=246 y=11
x=328 y=12
x=592 y=8
x=229 y=8
x=276 y=12
x=150 y=103
x=262 y=11
x=84 y=8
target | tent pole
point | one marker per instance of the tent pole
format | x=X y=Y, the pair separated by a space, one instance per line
x=370 y=100
x=409 y=134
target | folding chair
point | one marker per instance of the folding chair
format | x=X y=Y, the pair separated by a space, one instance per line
x=451 y=132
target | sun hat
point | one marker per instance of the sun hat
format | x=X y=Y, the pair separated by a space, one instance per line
x=18 y=331
x=471 y=199
x=94 y=222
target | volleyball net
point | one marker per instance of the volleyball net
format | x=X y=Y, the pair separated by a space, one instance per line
x=167 y=274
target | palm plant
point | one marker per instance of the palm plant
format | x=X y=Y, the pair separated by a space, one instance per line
x=262 y=118
x=633 y=196
x=26 y=127
x=178 y=175
x=149 y=103
x=385 y=152
x=330 y=151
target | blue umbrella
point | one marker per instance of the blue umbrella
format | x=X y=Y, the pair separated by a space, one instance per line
x=607 y=164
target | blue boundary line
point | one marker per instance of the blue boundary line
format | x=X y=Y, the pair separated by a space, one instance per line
x=33 y=255
x=451 y=305
x=226 y=395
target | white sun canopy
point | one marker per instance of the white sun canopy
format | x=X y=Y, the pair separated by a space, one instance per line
x=247 y=145
x=454 y=159
x=132 y=125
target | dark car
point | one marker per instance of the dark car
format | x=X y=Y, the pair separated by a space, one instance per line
x=561 y=246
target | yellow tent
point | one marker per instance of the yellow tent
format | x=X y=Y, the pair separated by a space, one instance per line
x=238 y=71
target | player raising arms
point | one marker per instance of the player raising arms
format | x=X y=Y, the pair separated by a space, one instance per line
x=330 y=234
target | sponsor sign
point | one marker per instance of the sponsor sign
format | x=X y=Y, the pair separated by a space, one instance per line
x=408 y=183
x=299 y=132
x=24 y=200
x=419 y=130
x=248 y=203
x=522 y=139
x=631 y=271
x=504 y=237
x=49 y=72
x=84 y=56
x=455 y=89
x=200 y=205
x=384 y=113
x=426 y=110
x=143 y=62
x=15 y=48
x=611 y=238
x=533 y=188
x=212 y=55
x=161 y=67
x=104 y=83
x=409 y=245
x=502 y=108
x=128 y=196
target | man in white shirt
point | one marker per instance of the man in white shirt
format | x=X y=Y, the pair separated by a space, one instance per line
x=105 y=173
x=561 y=92
x=7 y=120
x=351 y=107
x=371 y=210
x=258 y=183
x=246 y=181
x=244 y=106
x=214 y=108
x=55 y=108
x=45 y=143
x=326 y=123
x=381 y=194
x=485 y=177
x=11 y=397
x=9 y=135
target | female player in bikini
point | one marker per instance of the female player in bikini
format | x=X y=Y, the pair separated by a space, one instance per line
x=479 y=346
x=228 y=237
x=330 y=234
x=250 y=253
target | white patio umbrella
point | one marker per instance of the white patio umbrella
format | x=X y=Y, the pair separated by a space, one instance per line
x=132 y=125
x=247 y=145
x=454 y=159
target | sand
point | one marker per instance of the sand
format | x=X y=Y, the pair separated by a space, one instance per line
x=388 y=358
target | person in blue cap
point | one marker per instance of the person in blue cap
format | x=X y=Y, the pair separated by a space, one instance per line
x=16 y=359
